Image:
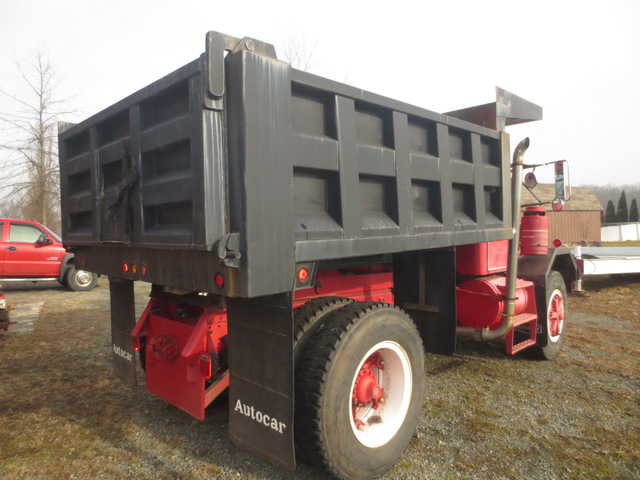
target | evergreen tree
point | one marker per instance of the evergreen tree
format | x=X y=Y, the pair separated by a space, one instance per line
x=633 y=211
x=622 y=213
x=610 y=213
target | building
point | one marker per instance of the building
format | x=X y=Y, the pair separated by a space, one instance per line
x=579 y=221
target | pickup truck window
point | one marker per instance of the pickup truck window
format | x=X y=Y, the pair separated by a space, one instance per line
x=24 y=233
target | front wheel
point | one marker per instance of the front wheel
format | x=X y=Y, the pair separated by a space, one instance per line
x=359 y=390
x=80 y=280
x=551 y=318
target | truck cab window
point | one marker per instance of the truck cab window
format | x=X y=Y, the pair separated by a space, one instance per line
x=24 y=234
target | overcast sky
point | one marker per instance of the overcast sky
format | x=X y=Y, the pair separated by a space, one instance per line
x=579 y=60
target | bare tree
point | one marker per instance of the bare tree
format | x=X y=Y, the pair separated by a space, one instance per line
x=299 y=55
x=30 y=158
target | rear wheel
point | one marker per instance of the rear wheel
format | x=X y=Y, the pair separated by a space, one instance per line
x=309 y=318
x=551 y=321
x=80 y=280
x=359 y=390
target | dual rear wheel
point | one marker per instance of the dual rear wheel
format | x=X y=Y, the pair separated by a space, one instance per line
x=359 y=388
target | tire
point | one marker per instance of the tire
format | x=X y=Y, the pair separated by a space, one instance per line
x=359 y=390
x=309 y=318
x=80 y=280
x=551 y=321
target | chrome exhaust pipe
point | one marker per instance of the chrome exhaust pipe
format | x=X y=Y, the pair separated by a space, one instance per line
x=512 y=265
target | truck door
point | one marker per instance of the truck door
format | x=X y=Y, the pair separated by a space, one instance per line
x=3 y=247
x=24 y=256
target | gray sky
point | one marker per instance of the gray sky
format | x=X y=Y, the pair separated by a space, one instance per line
x=579 y=60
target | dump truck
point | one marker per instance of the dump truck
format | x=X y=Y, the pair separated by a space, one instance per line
x=306 y=243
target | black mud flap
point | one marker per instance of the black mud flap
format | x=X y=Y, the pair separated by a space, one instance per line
x=425 y=286
x=123 y=319
x=261 y=389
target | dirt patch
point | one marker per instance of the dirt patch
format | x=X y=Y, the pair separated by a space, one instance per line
x=486 y=415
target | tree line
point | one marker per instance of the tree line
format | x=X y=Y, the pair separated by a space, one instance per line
x=615 y=204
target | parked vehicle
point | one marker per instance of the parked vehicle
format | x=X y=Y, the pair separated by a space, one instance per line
x=306 y=242
x=30 y=252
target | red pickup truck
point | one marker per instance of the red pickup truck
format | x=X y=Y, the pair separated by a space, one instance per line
x=31 y=252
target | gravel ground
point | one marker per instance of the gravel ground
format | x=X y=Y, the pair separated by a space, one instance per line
x=485 y=416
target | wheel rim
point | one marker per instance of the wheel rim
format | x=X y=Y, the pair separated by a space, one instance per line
x=380 y=394
x=555 y=315
x=83 y=278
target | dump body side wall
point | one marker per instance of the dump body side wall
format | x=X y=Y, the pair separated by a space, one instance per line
x=301 y=168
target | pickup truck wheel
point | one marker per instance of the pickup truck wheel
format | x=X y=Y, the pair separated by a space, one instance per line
x=309 y=318
x=80 y=280
x=359 y=390
x=551 y=321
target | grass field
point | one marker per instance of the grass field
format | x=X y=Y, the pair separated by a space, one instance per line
x=486 y=415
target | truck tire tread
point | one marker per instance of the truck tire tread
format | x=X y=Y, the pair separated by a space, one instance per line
x=311 y=389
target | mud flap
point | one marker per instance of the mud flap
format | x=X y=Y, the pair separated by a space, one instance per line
x=261 y=401
x=123 y=319
x=424 y=285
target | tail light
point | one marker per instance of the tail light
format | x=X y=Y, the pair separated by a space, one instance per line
x=205 y=362
x=305 y=274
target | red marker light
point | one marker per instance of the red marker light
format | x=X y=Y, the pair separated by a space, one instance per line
x=303 y=275
x=557 y=242
x=205 y=364
x=143 y=269
x=125 y=268
x=219 y=279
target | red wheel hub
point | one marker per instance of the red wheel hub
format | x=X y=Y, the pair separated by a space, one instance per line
x=556 y=315
x=366 y=389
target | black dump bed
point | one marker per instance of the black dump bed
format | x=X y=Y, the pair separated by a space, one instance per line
x=244 y=166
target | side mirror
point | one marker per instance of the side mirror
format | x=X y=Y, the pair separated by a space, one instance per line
x=563 y=189
x=530 y=180
x=43 y=240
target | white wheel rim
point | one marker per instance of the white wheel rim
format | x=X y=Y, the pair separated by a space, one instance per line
x=83 y=278
x=374 y=427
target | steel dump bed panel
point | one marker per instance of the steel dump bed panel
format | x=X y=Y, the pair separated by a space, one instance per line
x=284 y=167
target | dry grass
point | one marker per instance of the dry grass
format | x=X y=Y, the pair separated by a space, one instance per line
x=486 y=415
